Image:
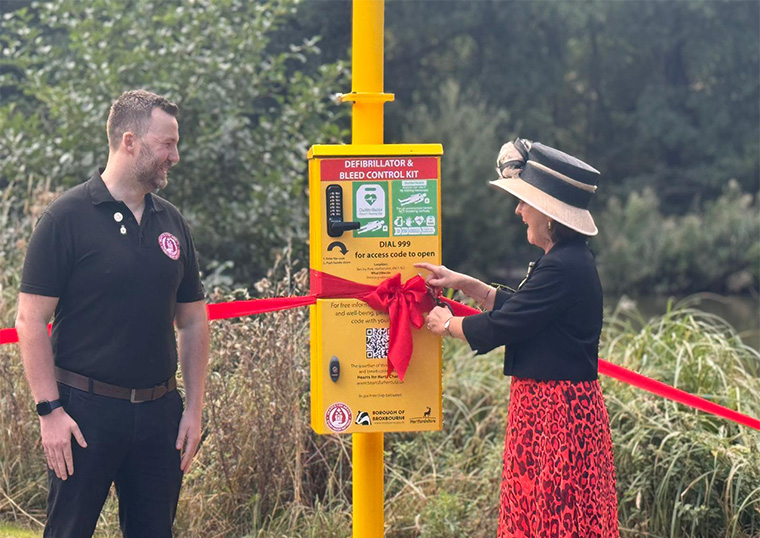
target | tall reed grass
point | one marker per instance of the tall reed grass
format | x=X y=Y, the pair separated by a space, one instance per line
x=261 y=472
x=22 y=474
x=683 y=472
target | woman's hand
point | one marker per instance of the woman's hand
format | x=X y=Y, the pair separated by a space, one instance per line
x=441 y=277
x=436 y=319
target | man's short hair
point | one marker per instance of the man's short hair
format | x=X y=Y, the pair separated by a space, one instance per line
x=132 y=112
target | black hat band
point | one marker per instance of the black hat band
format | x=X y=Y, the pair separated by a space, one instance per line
x=557 y=185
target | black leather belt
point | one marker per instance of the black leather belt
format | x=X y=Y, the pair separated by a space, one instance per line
x=94 y=386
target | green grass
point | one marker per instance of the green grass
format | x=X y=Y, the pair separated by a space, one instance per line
x=10 y=531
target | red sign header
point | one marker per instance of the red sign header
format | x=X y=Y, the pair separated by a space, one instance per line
x=379 y=168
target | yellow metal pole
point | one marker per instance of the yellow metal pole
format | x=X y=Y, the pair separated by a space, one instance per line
x=368 y=491
x=367 y=71
x=367 y=128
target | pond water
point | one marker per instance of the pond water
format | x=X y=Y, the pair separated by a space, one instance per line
x=742 y=312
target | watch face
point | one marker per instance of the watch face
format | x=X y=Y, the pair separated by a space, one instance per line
x=45 y=408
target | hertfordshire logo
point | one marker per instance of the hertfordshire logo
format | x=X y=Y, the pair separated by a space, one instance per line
x=362 y=419
x=427 y=417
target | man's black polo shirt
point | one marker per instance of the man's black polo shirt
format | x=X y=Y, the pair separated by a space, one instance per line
x=117 y=283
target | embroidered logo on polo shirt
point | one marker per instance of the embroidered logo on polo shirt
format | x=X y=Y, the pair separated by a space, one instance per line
x=169 y=245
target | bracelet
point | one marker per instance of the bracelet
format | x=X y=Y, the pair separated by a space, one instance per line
x=446 y=325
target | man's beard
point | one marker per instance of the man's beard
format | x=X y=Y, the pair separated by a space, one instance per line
x=149 y=173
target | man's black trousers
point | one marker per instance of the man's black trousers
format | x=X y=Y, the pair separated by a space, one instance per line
x=131 y=445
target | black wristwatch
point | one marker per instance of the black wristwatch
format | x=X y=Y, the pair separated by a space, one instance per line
x=45 y=408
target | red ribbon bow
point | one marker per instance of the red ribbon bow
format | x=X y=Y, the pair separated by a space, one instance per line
x=406 y=305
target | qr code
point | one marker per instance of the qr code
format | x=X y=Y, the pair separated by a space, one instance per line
x=377 y=343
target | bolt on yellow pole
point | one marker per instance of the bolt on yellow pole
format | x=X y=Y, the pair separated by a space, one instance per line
x=367 y=128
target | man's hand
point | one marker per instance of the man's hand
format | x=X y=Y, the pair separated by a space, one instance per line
x=192 y=343
x=57 y=429
x=189 y=437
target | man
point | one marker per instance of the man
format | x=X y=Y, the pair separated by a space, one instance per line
x=117 y=266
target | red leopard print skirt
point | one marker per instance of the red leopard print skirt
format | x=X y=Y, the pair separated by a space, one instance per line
x=559 y=477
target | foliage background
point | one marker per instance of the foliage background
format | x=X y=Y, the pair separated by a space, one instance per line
x=245 y=124
x=661 y=97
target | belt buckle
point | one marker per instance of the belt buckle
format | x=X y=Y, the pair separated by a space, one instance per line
x=133 y=399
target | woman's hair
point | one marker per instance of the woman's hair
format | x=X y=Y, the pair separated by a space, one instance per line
x=560 y=232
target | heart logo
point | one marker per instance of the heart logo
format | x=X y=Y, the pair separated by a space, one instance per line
x=419 y=220
x=370 y=198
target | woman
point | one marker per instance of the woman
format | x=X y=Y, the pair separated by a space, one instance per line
x=558 y=478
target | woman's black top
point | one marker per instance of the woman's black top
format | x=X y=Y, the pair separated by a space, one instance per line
x=551 y=325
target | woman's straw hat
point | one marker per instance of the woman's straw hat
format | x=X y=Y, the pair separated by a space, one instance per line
x=555 y=183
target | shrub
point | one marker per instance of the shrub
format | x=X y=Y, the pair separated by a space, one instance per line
x=642 y=251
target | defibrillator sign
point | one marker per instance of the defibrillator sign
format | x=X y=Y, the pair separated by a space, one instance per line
x=364 y=168
x=374 y=212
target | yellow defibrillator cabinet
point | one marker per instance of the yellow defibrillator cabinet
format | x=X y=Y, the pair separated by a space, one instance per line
x=374 y=211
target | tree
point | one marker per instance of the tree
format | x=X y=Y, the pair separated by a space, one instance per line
x=249 y=110
x=476 y=231
x=658 y=94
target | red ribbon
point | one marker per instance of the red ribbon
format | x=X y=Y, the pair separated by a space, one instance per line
x=9 y=336
x=671 y=393
x=405 y=304
x=236 y=309
x=643 y=382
